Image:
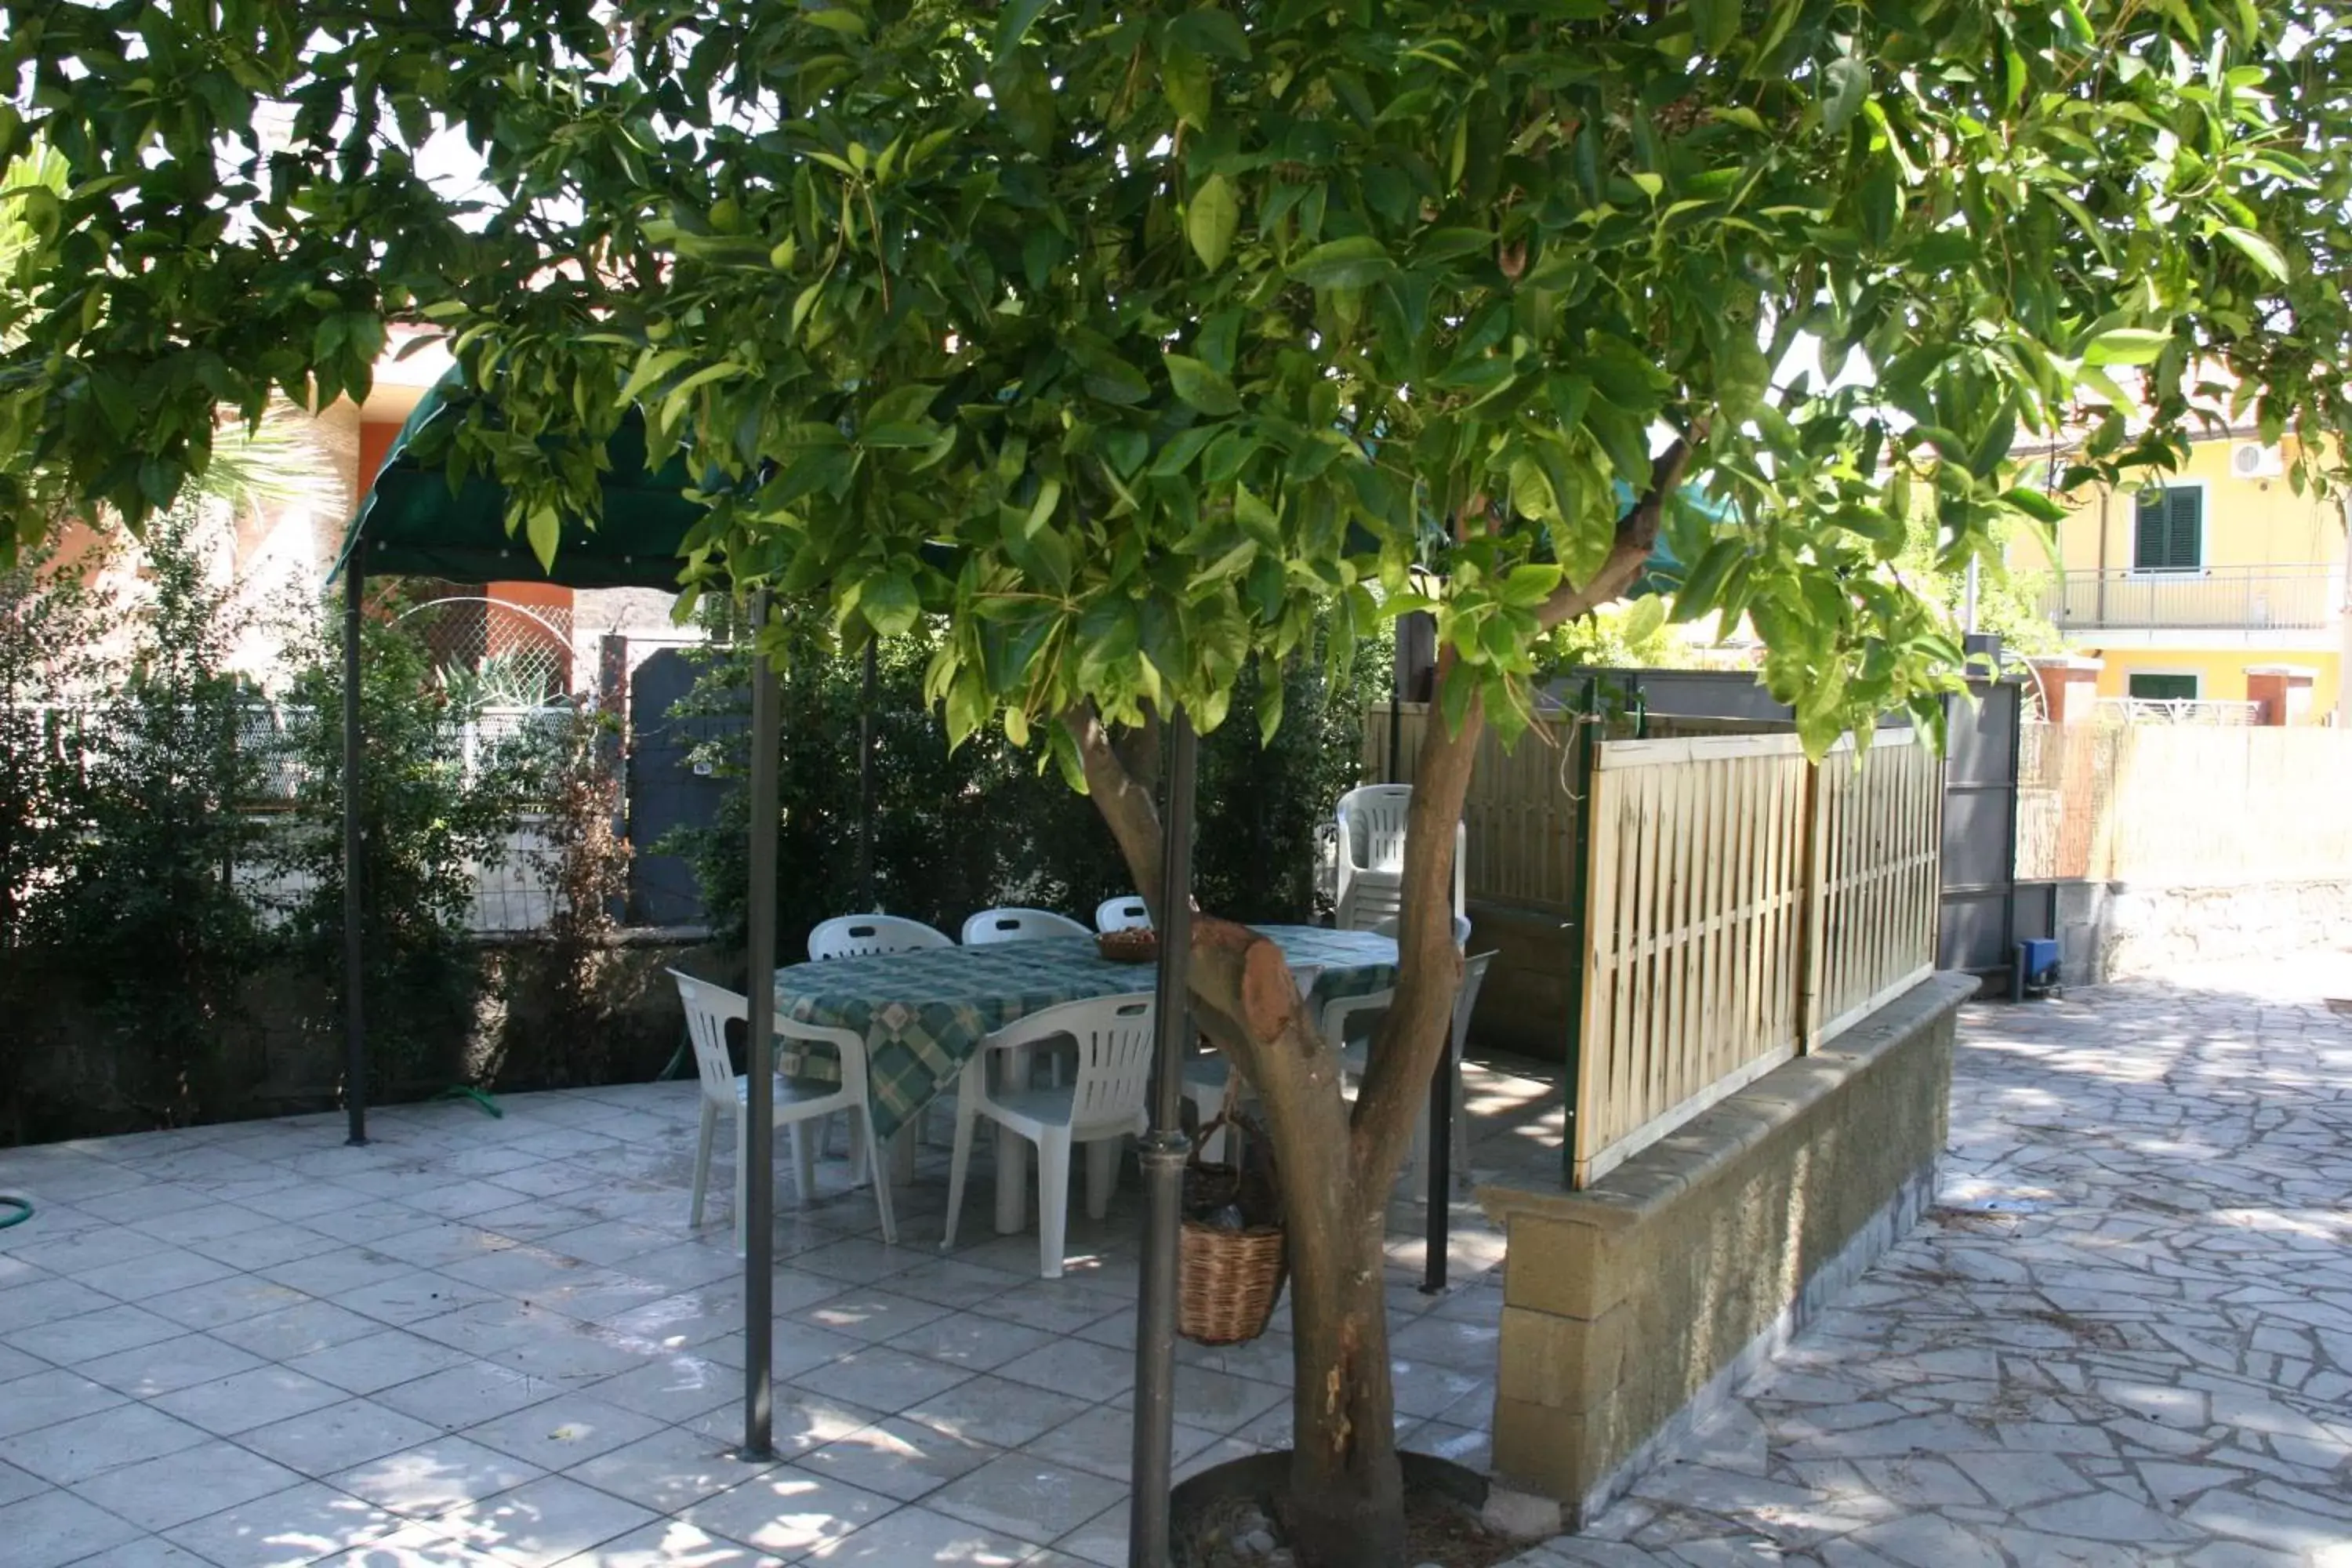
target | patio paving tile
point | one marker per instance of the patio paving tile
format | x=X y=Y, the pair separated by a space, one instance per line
x=156 y=1494
x=434 y=1476
x=87 y=1446
x=670 y=1469
x=45 y=1398
x=972 y=1341
x=294 y=1331
x=897 y=1457
x=146 y=1552
x=137 y=1278
x=787 y=1510
x=672 y=1388
x=15 y=1485
x=337 y=1436
x=1020 y=1494
x=465 y=1395
x=378 y=1361
x=56 y=1527
x=989 y=1409
x=163 y=1365
x=300 y=1524
x=415 y=1545
x=871 y=1313
x=543 y=1521
x=915 y=1536
x=47 y=1299
x=244 y=1400
x=673 y=1544
x=65 y=1342
x=565 y=1431
x=1088 y=1371
x=881 y=1378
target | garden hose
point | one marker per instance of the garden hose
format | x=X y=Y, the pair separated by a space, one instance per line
x=467 y=1091
x=15 y=1211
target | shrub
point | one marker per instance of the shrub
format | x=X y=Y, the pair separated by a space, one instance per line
x=958 y=831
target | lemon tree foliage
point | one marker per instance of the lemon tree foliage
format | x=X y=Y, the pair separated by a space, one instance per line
x=1131 y=336
x=1173 y=320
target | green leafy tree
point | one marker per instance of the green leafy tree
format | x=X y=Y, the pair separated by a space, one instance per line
x=1203 y=320
x=429 y=813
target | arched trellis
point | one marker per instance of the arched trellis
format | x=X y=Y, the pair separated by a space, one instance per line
x=414 y=522
x=450 y=620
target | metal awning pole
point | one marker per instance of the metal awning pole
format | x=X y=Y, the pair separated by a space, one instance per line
x=355 y=1059
x=1438 y=1164
x=758 y=1058
x=1162 y=1158
x=866 y=783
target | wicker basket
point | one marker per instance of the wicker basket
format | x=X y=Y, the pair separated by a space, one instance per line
x=1138 y=945
x=1228 y=1281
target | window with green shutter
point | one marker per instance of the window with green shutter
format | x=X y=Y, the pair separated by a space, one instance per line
x=2163 y=688
x=2171 y=536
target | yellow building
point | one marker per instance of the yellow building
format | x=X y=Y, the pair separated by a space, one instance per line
x=2181 y=588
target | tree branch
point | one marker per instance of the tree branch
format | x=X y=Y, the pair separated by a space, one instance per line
x=1125 y=802
x=1415 y=1031
x=1637 y=535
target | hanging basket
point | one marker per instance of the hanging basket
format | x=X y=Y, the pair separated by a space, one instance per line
x=1230 y=1268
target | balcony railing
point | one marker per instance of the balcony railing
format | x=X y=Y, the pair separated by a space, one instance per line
x=2277 y=598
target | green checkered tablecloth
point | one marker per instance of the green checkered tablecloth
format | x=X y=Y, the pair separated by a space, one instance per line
x=923 y=1014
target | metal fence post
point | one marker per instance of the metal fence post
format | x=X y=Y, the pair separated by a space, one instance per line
x=1579 y=916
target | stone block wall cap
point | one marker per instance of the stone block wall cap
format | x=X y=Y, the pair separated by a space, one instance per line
x=1650 y=1182
x=2067 y=661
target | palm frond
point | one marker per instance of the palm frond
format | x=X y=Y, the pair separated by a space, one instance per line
x=276 y=462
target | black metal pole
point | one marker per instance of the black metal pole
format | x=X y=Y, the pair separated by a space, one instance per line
x=355 y=1058
x=866 y=783
x=1162 y=1157
x=1580 y=920
x=759 y=1059
x=1438 y=1168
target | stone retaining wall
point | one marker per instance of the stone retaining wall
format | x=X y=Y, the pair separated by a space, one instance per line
x=1633 y=1306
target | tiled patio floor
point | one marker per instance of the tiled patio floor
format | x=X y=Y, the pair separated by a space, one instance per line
x=481 y=1341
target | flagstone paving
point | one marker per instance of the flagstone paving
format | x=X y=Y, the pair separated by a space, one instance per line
x=2123 y=1338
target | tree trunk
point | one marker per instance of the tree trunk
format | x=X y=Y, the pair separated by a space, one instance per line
x=1346 y=1491
x=1335 y=1167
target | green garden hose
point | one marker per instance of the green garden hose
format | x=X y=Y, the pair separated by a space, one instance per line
x=15 y=1211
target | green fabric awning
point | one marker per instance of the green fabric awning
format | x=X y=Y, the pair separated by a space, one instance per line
x=415 y=525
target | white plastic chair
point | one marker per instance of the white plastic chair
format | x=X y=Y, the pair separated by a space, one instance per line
x=1103 y=1104
x=1126 y=913
x=1371 y=855
x=1014 y=924
x=1355 y=1056
x=707 y=1009
x=854 y=936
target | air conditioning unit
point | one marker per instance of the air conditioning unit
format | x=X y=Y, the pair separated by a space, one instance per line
x=2253 y=460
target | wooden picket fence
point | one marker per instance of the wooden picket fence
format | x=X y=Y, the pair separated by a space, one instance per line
x=1519 y=818
x=1745 y=905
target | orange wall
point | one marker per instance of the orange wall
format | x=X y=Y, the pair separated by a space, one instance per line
x=375 y=441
